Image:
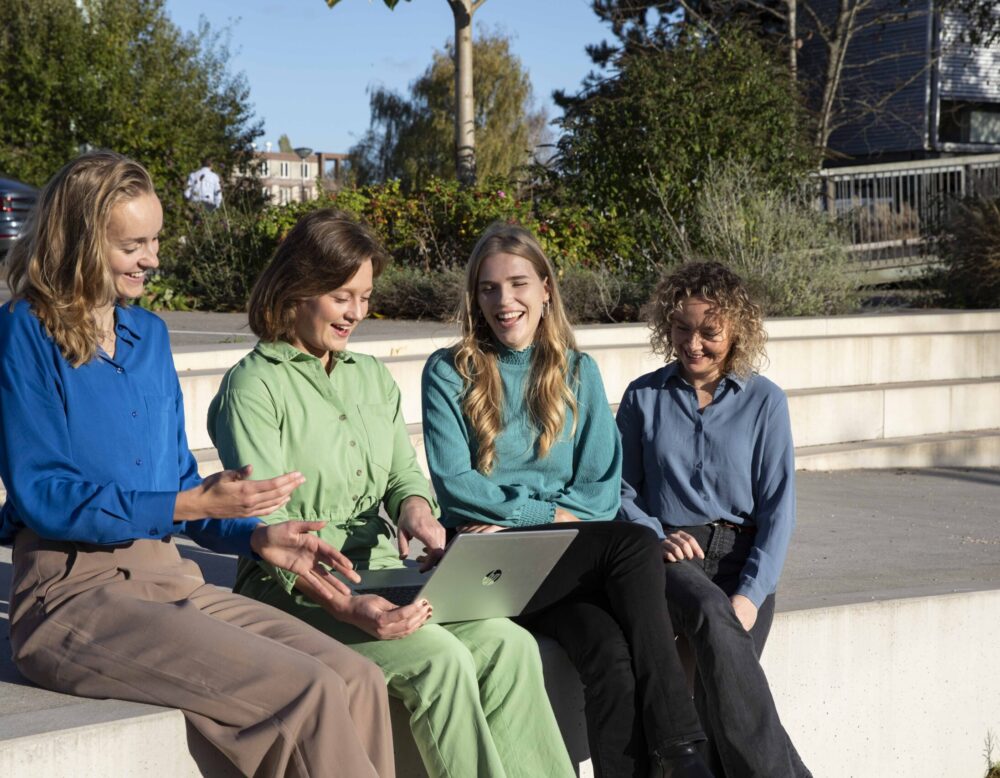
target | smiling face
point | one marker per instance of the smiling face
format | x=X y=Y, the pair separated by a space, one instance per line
x=133 y=240
x=701 y=340
x=324 y=323
x=511 y=296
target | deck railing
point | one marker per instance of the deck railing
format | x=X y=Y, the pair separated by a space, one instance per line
x=890 y=210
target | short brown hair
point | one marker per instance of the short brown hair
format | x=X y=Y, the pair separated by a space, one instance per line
x=729 y=296
x=322 y=252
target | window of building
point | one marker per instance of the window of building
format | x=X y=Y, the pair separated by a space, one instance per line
x=265 y=168
x=963 y=122
x=284 y=170
x=304 y=170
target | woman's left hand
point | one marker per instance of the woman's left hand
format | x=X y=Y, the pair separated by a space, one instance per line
x=746 y=611
x=292 y=546
x=475 y=527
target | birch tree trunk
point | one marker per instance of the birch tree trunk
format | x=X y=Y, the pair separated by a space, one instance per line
x=465 y=120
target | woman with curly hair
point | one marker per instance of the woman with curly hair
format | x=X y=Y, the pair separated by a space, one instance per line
x=519 y=436
x=708 y=464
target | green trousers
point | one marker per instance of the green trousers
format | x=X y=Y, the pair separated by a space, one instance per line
x=474 y=691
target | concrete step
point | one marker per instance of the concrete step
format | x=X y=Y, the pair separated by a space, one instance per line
x=796 y=363
x=974 y=448
x=898 y=410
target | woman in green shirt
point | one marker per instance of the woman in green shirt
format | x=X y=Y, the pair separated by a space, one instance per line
x=474 y=690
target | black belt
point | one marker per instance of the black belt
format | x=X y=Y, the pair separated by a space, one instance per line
x=748 y=529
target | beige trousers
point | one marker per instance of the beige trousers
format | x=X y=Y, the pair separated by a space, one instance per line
x=137 y=622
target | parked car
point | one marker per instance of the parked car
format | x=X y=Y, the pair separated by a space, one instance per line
x=16 y=202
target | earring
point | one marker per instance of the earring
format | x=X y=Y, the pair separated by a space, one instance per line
x=545 y=309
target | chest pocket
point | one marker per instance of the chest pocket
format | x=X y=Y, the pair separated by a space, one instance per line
x=377 y=418
x=161 y=427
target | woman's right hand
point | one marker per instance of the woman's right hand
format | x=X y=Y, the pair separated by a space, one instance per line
x=380 y=618
x=231 y=495
x=562 y=516
x=679 y=545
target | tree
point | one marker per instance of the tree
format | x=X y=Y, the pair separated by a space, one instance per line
x=464 y=113
x=117 y=74
x=838 y=81
x=410 y=136
x=285 y=145
x=643 y=139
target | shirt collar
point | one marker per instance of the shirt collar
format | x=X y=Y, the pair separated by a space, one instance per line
x=126 y=320
x=671 y=373
x=283 y=351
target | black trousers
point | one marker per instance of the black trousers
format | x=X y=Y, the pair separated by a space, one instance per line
x=746 y=737
x=602 y=603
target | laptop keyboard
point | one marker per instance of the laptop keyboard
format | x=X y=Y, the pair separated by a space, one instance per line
x=397 y=595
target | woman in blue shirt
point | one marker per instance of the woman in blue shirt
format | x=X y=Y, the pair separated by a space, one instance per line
x=519 y=435
x=708 y=464
x=99 y=478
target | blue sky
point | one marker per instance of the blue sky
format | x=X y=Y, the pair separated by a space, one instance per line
x=309 y=66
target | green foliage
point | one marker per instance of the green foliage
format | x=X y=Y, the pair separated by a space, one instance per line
x=163 y=293
x=645 y=136
x=969 y=249
x=285 y=145
x=412 y=138
x=792 y=257
x=215 y=264
x=117 y=74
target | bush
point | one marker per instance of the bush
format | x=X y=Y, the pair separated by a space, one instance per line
x=793 y=258
x=411 y=293
x=969 y=248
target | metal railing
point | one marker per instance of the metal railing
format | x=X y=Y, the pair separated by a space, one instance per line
x=890 y=210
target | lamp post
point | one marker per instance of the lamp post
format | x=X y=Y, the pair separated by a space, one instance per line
x=304 y=152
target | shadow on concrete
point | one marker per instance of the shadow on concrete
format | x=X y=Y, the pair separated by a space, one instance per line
x=979 y=475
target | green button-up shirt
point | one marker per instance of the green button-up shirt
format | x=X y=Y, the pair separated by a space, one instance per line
x=279 y=410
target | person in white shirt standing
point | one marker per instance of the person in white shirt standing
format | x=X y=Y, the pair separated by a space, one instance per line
x=203 y=187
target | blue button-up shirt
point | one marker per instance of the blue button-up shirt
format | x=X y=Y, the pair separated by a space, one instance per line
x=735 y=461
x=97 y=453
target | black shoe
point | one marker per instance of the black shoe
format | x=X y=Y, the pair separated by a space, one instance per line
x=682 y=762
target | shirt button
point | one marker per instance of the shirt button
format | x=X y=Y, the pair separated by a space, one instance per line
x=343 y=417
x=119 y=370
x=153 y=531
x=138 y=461
x=354 y=497
x=697 y=427
x=352 y=444
x=134 y=414
x=357 y=472
x=698 y=466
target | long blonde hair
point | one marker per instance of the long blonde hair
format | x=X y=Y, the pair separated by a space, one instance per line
x=60 y=266
x=548 y=394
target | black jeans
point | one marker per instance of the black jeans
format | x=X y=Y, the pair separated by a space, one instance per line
x=731 y=691
x=598 y=604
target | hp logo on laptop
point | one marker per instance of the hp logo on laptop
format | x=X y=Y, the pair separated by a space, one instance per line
x=492 y=577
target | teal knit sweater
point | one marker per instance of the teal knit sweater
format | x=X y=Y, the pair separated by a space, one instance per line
x=581 y=474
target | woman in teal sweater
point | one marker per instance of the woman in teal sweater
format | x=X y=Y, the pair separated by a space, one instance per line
x=474 y=690
x=519 y=435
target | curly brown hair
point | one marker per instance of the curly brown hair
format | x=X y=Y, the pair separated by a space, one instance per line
x=730 y=298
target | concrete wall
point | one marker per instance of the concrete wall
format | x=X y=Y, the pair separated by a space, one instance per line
x=872 y=690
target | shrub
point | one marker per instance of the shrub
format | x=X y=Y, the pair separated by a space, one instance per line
x=793 y=258
x=410 y=293
x=969 y=248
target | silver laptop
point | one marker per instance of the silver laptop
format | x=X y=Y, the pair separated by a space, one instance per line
x=481 y=576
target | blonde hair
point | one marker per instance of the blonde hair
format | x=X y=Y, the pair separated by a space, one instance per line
x=322 y=252
x=60 y=265
x=728 y=295
x=548 y=394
